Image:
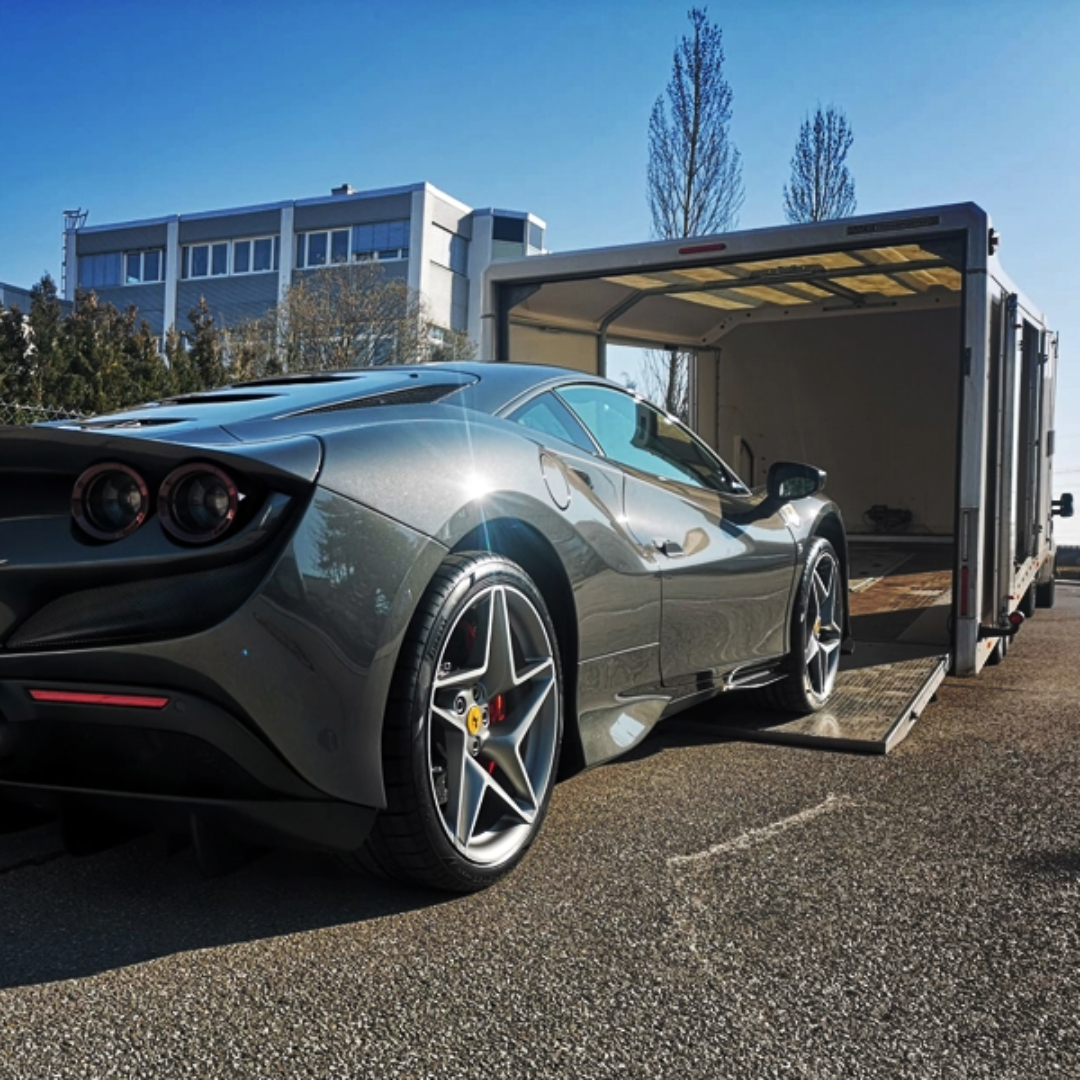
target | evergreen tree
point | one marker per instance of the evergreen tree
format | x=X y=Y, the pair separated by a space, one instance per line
x=46 y=322
x=18 y=359
x=205 y=347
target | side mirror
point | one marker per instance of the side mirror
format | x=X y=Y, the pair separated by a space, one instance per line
x=1062 y=507
x=788 y=480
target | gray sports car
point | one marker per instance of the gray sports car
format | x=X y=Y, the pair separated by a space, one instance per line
x=376 y=612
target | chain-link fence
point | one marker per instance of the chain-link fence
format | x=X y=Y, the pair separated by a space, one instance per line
x=10 y=413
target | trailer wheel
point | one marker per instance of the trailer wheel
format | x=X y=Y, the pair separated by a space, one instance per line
x=1027 y=604
x=1044 y=594
x=999 y=652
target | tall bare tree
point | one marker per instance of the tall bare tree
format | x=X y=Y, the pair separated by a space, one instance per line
x=822 y=186
x=694 y=174
x=695 y=171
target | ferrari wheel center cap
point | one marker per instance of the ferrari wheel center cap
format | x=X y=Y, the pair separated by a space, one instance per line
x=817 y=627
x=474 y=720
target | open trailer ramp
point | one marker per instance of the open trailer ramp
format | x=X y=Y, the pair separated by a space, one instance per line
x=900 y=603
x=871 y=710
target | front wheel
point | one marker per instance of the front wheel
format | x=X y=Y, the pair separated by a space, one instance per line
x=473 y=729
x=816 y=635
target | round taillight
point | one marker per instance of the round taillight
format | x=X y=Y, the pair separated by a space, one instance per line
x=197 y=503
x=110 y=501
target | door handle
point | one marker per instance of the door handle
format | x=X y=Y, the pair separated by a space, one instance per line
x=670 y=548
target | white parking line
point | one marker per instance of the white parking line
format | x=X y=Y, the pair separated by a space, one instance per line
x=757 y=836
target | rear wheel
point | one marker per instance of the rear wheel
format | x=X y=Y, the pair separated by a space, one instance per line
x=1044 y=594
x=816 y=635
x=472 y=732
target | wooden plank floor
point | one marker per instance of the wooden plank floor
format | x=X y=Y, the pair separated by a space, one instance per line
x=886 y=608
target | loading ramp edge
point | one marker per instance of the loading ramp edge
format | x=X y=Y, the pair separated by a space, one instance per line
x=853 y=719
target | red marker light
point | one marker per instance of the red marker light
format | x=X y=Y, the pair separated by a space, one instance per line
x=73 y=697
x=700 y=249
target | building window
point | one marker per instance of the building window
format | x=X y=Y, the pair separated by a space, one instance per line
x=459 y=255
x=379 y=240
x=114 y=268
x=100 y=271
x=536 y=238
x=213 y=260
x=507 y=237
x=196 y=261
x=510 y=229
x=450 y=250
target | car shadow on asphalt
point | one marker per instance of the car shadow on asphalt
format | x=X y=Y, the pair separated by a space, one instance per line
x=64 y=918
x=1062 y=864
x=714 y=721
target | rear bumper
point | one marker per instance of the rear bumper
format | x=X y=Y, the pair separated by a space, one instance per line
x=177 y=763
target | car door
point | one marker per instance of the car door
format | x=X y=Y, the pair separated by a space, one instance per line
x=726 y=560
x=618 y=599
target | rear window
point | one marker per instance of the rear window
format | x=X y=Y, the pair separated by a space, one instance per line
x=548 y=415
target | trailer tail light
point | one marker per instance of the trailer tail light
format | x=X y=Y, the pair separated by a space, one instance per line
x=965 y=581
x=75 y=697
x=701 y=249
x=1017 y=619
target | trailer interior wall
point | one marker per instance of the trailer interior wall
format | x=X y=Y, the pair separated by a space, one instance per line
x=872 y=398
x=559 y=348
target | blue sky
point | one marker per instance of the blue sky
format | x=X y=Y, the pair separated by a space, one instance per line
x=143 y=109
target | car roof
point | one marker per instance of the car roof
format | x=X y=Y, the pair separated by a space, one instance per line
x=480 y=386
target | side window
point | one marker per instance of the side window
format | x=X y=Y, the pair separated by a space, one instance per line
x=633 y=432
x=547 y=414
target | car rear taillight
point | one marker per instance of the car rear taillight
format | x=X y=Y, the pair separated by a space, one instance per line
x=110 y=501
x=198 y=503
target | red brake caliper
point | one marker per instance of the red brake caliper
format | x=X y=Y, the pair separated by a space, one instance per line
x=496 y=715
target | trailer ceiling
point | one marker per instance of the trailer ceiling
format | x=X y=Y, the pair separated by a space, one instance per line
x=695 y=305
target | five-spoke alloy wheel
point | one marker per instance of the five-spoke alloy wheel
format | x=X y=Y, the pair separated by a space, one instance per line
x=473 y=729
x=816 y=635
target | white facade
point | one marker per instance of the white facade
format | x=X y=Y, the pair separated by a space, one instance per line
x=243 y=260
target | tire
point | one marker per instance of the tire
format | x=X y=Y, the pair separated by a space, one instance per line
x=1044 y=594
x=998 y=652
x=817 y=632
x=1028 y=602
x=472 y=731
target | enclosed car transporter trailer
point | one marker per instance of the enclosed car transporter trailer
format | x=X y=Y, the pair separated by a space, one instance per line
x=891 y=350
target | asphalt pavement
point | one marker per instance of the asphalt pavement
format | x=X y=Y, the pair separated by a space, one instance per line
x=704 y=908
